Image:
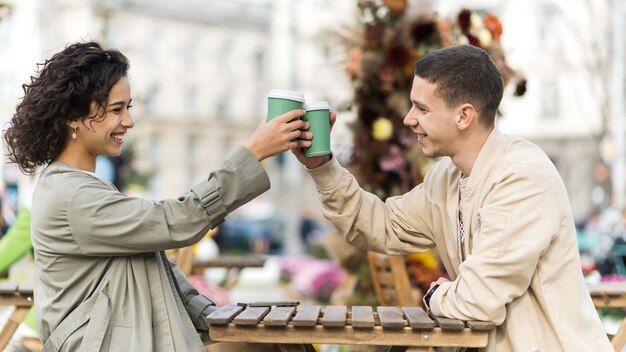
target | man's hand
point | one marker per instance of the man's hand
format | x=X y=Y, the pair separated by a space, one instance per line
x=315 y=161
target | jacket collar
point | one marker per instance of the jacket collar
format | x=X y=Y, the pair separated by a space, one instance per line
x=489 y=154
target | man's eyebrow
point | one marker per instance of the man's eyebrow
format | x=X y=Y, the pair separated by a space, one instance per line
x=419 y=103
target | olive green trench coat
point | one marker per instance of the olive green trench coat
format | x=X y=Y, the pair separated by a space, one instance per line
x=102 y=280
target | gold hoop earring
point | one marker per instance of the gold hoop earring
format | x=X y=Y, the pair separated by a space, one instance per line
x=74 y=133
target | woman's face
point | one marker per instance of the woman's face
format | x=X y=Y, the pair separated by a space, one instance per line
x=105 y=135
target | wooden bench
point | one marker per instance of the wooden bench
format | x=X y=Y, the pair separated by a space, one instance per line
x=233 y=265
x=288 y=323
x=611 y=294
x=190 y=265
x=20 y=296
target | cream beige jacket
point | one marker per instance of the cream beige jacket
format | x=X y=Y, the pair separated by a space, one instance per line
x=521 y=269
x=102 y=280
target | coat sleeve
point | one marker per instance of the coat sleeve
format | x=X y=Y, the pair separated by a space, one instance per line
x=519 y=219
x=198 y=306
x=104 y=222
x=398 y=226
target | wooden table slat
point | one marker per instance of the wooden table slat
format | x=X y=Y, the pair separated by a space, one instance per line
x=418 y=318
x=449 y=324
x=251 y=316
x=348 y=334
x=7 y=288
x=224 y=314
x=307 y=315
x=279 y=316
x=476 y=325
x=335 y=316
x=362 y=317
x=390 y=317
x=26 y=288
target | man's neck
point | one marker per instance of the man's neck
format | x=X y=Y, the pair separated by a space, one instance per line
x=469 y=149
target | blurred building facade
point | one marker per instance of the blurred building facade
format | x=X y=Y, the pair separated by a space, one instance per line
x=200 y=72
x=564 y=49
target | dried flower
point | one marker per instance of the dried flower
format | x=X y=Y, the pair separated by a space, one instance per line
x=382 y=129
x=464 y=20
x=394 y=160
x=374 y=34
x=353 y=63
x=423 y=30
x=493 y=25
x=396 y=7
x=397 y=55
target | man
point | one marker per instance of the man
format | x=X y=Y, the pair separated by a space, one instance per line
x=494 y=207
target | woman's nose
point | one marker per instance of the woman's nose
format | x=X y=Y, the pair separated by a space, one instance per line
x=128 y=121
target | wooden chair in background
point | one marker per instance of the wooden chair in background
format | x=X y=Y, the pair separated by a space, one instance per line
x=391 y=280
x=611 y=294
x=20 y=296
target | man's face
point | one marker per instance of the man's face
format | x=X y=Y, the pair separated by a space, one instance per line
x=431 y=120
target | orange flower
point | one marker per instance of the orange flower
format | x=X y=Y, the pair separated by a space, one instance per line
x=493 y=25
x=396 y=7
x=353 y=63
x=445 y=32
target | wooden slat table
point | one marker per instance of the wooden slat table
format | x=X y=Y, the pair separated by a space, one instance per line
x=233 y=265
x=20 y=296
x=358 y=325
x=611 y=294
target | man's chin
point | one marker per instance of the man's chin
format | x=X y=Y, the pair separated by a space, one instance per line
x=431 y=153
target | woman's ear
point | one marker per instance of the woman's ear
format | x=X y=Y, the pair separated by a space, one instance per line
x=73 y=126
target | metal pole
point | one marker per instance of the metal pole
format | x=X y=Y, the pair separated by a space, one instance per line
x=617 y=105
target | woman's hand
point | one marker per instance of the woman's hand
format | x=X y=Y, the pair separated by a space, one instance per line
x=315 y=161
x=284 y=132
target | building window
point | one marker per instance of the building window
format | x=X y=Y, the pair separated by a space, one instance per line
x=550 y=102
x=548 y=27
x=192 y=101
x=152 y=97
x=259 y=61
x=151 y=49
x=228 y=147
x=224 y=57
x=155 y=148
x=155 y=183
x=223 y=107
x=189 y=53
x=192 y=155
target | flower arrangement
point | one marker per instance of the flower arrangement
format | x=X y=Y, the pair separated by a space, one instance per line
x=311 y=278
x=380 y=67
x=386 y=159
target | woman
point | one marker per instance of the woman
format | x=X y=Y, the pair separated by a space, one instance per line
x=102 y=280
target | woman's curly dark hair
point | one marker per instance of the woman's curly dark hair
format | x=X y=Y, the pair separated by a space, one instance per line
x=63 y=90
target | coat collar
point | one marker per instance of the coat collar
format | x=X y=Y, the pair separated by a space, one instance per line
x=489 y=155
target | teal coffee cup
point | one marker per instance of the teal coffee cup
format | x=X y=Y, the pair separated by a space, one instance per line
x=281 y=101
x=318 y=116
